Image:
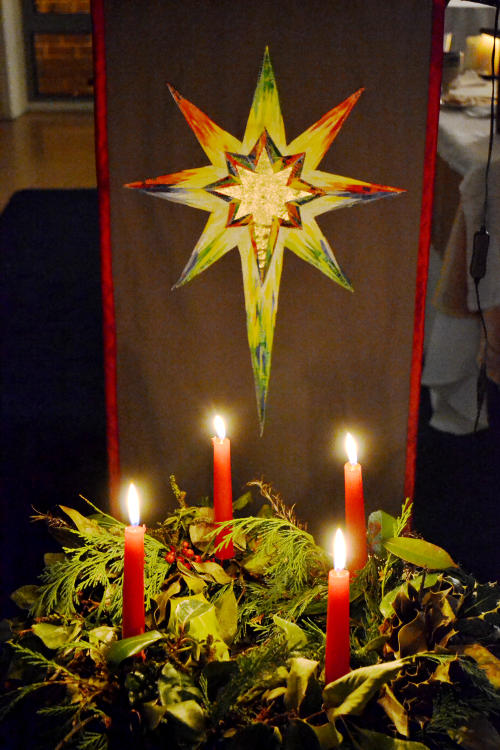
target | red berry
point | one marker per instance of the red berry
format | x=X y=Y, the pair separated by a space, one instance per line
x=189 y=552
x=170 y=558
x=197 y=558
x=181 y=559
x=185 y=544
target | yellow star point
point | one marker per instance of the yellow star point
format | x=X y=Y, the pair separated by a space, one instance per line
x=264 y=195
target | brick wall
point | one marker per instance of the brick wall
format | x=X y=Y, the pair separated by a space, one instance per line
x=62 y=6
x=64 y=63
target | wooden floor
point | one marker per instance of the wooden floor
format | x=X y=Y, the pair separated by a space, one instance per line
x=46 y=150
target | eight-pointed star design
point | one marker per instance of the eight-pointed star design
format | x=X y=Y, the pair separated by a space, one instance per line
x=263 y=195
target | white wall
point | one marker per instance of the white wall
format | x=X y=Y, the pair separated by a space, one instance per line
x=13 y=92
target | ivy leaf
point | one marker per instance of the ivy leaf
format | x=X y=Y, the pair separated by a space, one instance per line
x=104 y=634
x=350 y=693
x=386 y=604
x=131 y=646
x=55 y=636
x=83 y=524
x=419 y=552
x=295 y=636
x=243 y=501
x=176 y=687
x=26 y=596
x=198 y=616
x=299 y=735
x=226 y=608
x=212 y=571
x=301 y=670
x=377 y=741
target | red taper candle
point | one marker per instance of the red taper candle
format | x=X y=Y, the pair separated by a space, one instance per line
x=337 y=648
x=223 y=495
x=133 y=570
x=355 y=523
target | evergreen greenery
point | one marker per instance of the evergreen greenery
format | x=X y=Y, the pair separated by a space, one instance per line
x=233 y=654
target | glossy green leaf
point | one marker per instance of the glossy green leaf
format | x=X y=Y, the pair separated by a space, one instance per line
x=51 y=558
x=152 y=714
x=386 y=604
x=131 y=646
x=257 y=736
x=328 y=736
x=104 y=634
x=369 y=740
x=226 y=608
x=212 y=571
x=350 y=693
x=243 y=501
x=83 y=524
x=55 y=636
x=175 y=686
x=419 y=552
x=26 y=596
x=299 y=735
x=295 y=636
x=301 y=670
x=380 y=527
x=190 y=715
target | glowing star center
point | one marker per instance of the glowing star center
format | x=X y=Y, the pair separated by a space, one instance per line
x=261 y=193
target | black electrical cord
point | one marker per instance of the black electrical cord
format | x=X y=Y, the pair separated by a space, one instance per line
x=482 y=238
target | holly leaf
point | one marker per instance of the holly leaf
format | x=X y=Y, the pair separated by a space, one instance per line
x=386 y=604
x=295 y=636
x=55 y=636
x=350 y=693
x=301 y=670
x=419 y=552
x=377 y=741
x=131 y=646
x=485 y=660
x=26 y=596
x=394 y=710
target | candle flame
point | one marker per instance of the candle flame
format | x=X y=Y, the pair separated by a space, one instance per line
x=351 y=449
x=220 y=427
x=133 y=504
x=339 y=551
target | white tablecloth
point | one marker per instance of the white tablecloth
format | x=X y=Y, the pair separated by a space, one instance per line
x=451 y=365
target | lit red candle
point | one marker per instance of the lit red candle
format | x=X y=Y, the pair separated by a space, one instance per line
x=133 y=570
x=223 y=495
x=355 y=523
x=337 y=648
